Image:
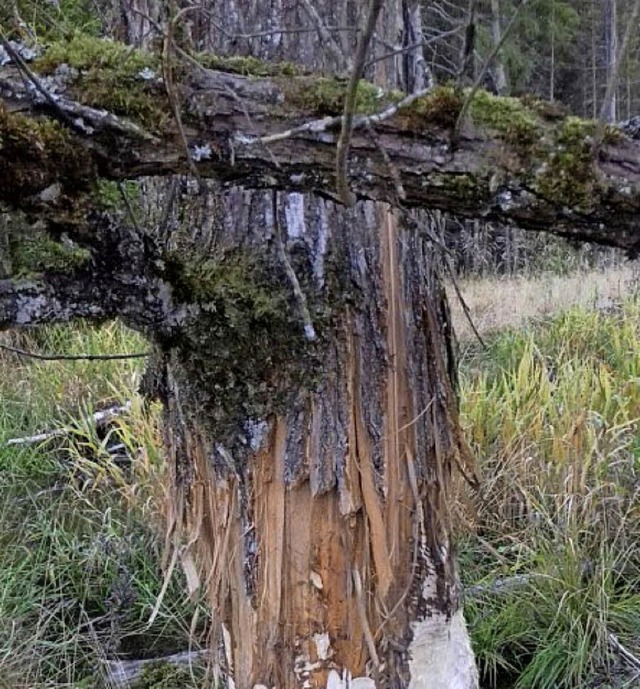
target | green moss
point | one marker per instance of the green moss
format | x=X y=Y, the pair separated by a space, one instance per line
x=108 y=196
x=107 y=75
x=468 y=188
x=36 y=152
x=568 y=175
x=87 y=52
x=69 y=17
x=439 y=108
x=509 y=117
x=545 y=109
x=234 y=282
x=248 y=66
x=37 y=253
x=325 y=95
x=245 y=350
x=162 y=675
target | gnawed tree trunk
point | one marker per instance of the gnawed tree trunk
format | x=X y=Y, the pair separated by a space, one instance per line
x=312 y=468
x=318 y=514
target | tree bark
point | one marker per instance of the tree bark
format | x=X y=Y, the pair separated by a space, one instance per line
x=321 y=526
x=501 y=83
x=312 y=472
x=610 y=105
x=520 y=164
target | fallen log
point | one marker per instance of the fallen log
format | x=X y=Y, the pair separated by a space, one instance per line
x=65 y=125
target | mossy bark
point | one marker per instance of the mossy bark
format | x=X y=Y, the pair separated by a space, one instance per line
x=516 y=161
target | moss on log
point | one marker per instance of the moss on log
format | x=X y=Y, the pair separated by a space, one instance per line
x=517 y=160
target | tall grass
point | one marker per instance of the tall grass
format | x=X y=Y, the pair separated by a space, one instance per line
x=554 y=570
x=80 y=553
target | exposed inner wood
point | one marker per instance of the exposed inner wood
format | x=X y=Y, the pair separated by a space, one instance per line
x=315 y=549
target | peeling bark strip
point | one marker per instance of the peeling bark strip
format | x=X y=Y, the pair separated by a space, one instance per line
x=514 y=162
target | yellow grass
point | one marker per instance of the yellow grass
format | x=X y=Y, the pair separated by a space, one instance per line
x=498 y=303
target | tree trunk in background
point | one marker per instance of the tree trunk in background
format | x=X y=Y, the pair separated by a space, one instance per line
x=311 y=480
x=611 y=55
x=496 y=33
x=552 y=66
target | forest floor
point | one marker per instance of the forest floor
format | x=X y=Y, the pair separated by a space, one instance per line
x=549 y=547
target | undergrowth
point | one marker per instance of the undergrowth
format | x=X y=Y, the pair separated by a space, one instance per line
x=80 y=547
x=553 y=569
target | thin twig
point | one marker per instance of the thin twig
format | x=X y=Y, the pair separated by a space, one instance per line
x=72 y=357
x=129 y=207
x=325 y=123
x=624 y=652
x=408 y=48
x=364 y=622
x=447 y=255
x=344 y=140
x=309 y=330
x=465 y=306
x=168 y=47
x=327 y=39
x=96 y=417
x=393 y=169
x=27 y=72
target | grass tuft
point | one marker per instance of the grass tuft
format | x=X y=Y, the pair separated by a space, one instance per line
x=80 y=554
x=554 y=412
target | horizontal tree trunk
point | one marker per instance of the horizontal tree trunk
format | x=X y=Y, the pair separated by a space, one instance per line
x=514 y=163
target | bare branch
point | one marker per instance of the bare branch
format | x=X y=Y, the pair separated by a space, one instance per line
x=612 y=83
x=476 y=85
x=98 y=417
x=344 y=141
x=326 y=36
x=72 y=357
x=466 y=71
x=300 y=299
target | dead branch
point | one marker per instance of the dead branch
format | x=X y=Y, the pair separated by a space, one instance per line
x=344 y=140
x=72 y=357
x=486 y=175
x=99 y=417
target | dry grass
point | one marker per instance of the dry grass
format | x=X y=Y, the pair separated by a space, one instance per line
x=496 y=304
x=553 y=414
